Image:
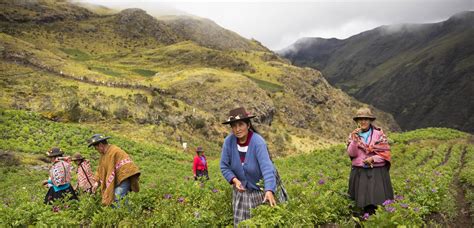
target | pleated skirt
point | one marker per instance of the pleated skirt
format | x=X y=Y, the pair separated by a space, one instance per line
x=370 y=186
x=242 y=202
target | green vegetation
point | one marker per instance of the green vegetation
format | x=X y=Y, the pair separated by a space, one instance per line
x=268 y=86
x=106 y=71
x=144 y=73
x=425 y=165
x=76 y=54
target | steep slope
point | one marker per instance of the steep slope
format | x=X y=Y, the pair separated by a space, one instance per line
x=422 y=73
x=143 y=78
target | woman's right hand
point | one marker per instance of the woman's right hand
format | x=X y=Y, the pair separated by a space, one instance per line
x=238 y=185
x=354 y=133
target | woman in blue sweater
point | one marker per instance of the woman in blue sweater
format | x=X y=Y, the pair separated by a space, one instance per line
x=244 y=163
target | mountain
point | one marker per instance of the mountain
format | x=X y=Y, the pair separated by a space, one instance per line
x=161 y=80
x=420 y=73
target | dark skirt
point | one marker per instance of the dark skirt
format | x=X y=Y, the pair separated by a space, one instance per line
x=202 y=173
x=52 y=195
x=370 y=186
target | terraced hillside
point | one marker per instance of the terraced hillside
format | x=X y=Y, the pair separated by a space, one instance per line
x=170 y=80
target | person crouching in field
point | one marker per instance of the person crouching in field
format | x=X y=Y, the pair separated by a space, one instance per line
x=244 y=162
x=368 y=148
x=117 y=173
x=200 y=164
x=86 y=181
x=59 y=181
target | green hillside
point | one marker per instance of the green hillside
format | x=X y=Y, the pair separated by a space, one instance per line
x=163 y=79
x=431 y=174
x=419 y=73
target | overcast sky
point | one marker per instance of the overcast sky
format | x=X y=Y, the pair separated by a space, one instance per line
x=279 y=24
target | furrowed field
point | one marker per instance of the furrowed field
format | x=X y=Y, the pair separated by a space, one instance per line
x=432 y=174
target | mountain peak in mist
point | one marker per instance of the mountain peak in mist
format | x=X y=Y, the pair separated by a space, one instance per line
x=417 y=72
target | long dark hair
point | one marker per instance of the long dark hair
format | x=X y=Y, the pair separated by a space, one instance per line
x=251 y=127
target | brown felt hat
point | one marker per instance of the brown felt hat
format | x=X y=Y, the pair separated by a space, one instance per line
x=238 y=114
x=97 y=138
x=364 y=113
x=77 y=156
x=54 y=152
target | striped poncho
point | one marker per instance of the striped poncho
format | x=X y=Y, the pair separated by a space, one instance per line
x=115 y=166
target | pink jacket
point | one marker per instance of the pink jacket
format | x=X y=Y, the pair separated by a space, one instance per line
x=358 y=154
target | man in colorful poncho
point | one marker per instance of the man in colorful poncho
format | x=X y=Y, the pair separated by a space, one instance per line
x=116 y=173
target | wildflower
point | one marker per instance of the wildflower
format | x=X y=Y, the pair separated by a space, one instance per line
x=434 y=190
x=55 y=208
x=416 y=209
x=366 y=216
x=181 y=199
x=168 y=196
x=404 y=205
x=390 y=209
x=215 y=190
x=399 y=197
x=387 y=202
x=321 y=181
x=197 y=214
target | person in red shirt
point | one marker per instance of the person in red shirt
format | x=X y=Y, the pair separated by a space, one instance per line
x=200 y=164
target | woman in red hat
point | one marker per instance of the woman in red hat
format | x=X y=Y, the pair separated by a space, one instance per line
x=200 y=164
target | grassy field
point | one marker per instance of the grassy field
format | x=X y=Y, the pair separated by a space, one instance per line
x=431 y=174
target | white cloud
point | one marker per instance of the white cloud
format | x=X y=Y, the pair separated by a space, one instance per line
x=279 y=24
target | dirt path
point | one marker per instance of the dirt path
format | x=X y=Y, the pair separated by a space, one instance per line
x=446 y=157
x=463 y=218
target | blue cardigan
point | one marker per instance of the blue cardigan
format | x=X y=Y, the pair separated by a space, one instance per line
x=257 y=163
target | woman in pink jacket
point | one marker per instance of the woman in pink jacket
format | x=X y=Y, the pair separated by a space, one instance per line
x=369 y=181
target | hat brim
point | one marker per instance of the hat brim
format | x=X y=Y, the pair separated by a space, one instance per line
x=54 y=155
x=367 y=117
x=76 y=159
x=98 y=141
x=235 y=120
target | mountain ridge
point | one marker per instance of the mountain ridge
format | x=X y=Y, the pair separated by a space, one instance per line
x=416 y=72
